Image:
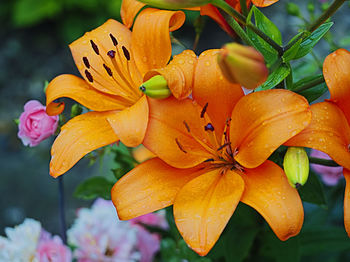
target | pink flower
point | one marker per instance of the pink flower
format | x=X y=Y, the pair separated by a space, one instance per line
x=148 y=243
x=51 y=249
x=330 y=175
x=35 y=125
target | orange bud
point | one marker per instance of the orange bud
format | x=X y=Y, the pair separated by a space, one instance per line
x=243 y=65
x=175 y=4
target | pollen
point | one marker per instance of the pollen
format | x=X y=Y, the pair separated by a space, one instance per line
x=108 y=70
x=89 y=76
x=204 y=110
x=126 y=53
x=94 y=47
x=114 y=40
x=86 y=62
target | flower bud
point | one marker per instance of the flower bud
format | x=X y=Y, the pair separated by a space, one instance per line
x=243 y=65
x=293 y=9
x=175 y=4
x=156 y=87
x=76 y=110
x=296 y=166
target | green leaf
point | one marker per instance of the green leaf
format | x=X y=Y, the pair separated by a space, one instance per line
x=309 y=42
x=312 y=191
x=94 y=187
x=275 y=77
x=318 y=239
x=293 y=50
x=311 y=94
x=270 y=29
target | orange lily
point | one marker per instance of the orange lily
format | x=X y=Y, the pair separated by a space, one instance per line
x=114 y=62
x=329 y=130
x=212 y=153
x=130 y=8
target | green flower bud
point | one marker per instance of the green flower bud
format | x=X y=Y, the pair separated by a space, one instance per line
x=296 y=166
x=175 y=4
x=156 y=87
x=311 y=7
x=293 y=9
x=76 y=110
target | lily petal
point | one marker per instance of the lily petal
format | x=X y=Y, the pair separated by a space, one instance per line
x=167 y=136
x=79 y=136
x=328 y=132
x=79 y=90
x=264 y=3
x=336 y=71
x=151 y=45
x=213 y=13
x=178 y=74
x=347 y=201
x=103 y=59
x=221 y=101
x=267 y=190
x=130 y=124
x=203 y=207
x=262 y=121
x=129 y=10
x=150 y=186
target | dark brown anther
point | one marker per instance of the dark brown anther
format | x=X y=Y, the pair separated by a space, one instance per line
x=109 y=71
x=187 y=127
x=180 y=146
x=126 y=53
x=86 y=62
x=204 y=110
x=209 y=127
x=224 y=145
x=94 y=46
x=89 y=76
x=111 y=53
x=114 y=40
x=209 y=160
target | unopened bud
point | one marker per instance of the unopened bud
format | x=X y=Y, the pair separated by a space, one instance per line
x=156 y=87
x=243 y=65
x=311 y=7
x=293 y=9
x=296 y=166
x=175 y=4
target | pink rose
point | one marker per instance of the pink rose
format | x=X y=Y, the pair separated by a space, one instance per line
x=35 y=125
x=330 y=175
x=53 y=250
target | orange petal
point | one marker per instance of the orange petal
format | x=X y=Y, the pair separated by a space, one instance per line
x=130 y=124
x=79 y=136
x=178 y=73
x=267 y=190
x=129 y=10
x=150 y=186
x=203 y=207
x=213 y=13
x=142 y=154
x=262 y=121
x=347 y=201
x=151 y=45
x=115 y=73
x=264 y=3
x=336 y=71
x=328 y=132
x=78 y=89
x=167 y=136
x=211 y=87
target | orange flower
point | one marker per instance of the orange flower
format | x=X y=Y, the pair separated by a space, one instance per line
x=212 y=153
x=114 y=62
x=329 y=130
x=130 y=8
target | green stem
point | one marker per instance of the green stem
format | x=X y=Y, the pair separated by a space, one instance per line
x=324 y=162
x=310 y=84
x=244 y=7
x=242 y=19
x=301 y=36
x=327 y=14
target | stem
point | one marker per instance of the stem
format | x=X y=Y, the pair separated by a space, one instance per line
x=62 y=211
x=196 y=41
x=244 y=7
x=288 y=46
x=310 y=84
x=324 y=162
x=327 y=14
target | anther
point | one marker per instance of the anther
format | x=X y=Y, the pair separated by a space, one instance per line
x=187 y=127
x=223 y=146
x=111 y=53
x=108 y=70
x=94 y=46
x=89 y=76
x=114 y=40
x=209 y=127
x=142 y=88
x=209 y=160
x=126 y=53
x=204 y=110
x=180 y=146
x=86 y=62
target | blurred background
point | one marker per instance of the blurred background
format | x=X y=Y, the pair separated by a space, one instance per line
x=34 y=48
